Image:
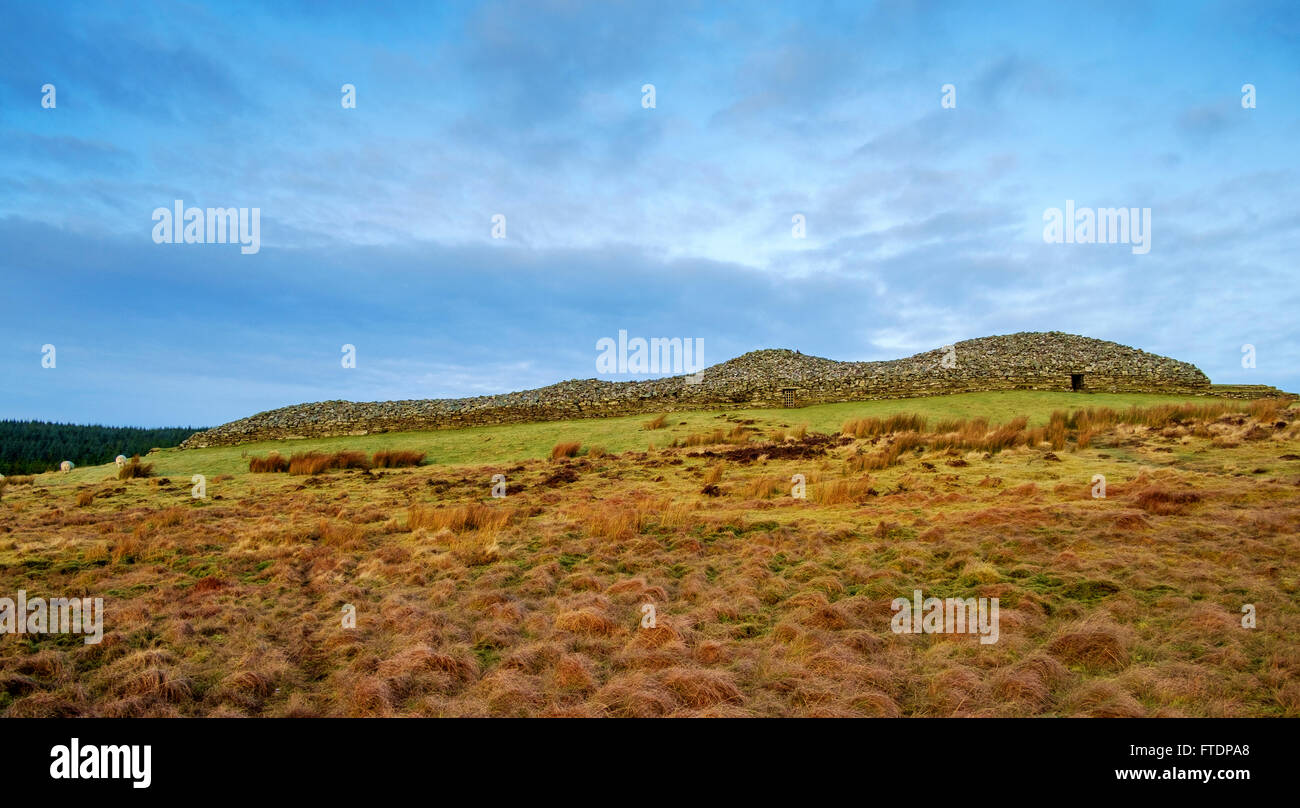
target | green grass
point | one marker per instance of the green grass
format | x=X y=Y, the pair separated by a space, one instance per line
x=515 y=442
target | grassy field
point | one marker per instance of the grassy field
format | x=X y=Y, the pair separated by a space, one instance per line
x=765 y=603
x=515 y=442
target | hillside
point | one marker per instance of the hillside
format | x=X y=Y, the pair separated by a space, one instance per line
x=32 y=447
x=765 y=602
x=512 y=443
x=766 y=378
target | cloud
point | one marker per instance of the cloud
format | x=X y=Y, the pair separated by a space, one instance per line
x=1203 y=120
x=923 y=224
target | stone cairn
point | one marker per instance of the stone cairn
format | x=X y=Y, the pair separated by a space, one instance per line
x=767 y=378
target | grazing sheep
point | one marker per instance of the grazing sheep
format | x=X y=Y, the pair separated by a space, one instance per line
x=121 y=461
x=65 y=466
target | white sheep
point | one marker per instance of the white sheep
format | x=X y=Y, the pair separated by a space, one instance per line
x=120 y=461
x=65 y=466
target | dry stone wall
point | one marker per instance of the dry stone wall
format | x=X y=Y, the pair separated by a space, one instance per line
x=1025 y=361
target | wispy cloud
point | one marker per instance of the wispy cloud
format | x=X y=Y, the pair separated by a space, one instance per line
x=923 y=224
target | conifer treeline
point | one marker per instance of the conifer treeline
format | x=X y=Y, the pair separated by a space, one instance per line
x=30 y=447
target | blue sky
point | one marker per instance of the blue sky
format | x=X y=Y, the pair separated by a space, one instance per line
x=924 y=224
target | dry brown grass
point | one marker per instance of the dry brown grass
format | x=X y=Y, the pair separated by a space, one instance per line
x=319 y=462
x=273 y=462
x=1057 y=431
x=701 y=688
x=133 y=469
x=458 y=518
x=1161 y=416
x=875 y=427
x=843 y=491
x=976 y=434
x=344 y=535
x=1266 y=409
x=658 y=422
x=586 y=621
x=765 y=487
x=740 y=433
x=1158 y=500
x=872 y=461
x=969 y=435
x=565 y=449
x=350 y=460
x=1006 y=436
x=1097 y=649
x=128 y=548
x=766 y=605
x=174 y=516
x=889 y=455
x=709 y=438
x=476 y=548
x=614 y=523
x=309 y=463
x=395 y=458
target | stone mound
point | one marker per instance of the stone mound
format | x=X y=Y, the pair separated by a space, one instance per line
x=765 y=378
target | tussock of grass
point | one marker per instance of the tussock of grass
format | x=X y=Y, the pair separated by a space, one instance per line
x=766 y=605
x=765 y=487
x=395 y=458
x=318 y=462
x=133 y=468
x=839 y=492
x=1158 y=500
x=976 y=434
x=737 y=434
x=709 y=438
x=476 y=548
x=566 y=449
x=309 y=463
x=459 y=518
x=1100 y=648
x=1163 y=415
x=273 y=462
x=874 y=427
x=614 y=523
x=585 y=621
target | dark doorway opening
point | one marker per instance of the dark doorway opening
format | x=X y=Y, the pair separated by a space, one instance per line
x=1076 y=382
x=787 y=396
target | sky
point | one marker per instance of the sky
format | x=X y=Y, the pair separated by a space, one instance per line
x=923 y=223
